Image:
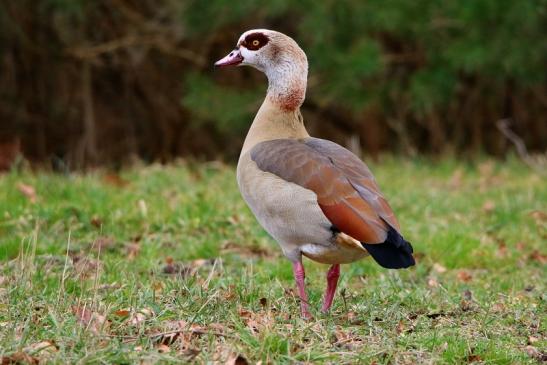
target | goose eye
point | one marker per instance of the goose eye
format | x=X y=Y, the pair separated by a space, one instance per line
x=255 y=43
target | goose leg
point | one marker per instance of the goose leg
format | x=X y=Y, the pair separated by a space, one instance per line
x=332 y=281
x=299 y=276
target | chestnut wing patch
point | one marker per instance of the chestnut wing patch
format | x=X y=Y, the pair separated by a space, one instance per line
x=345 y=188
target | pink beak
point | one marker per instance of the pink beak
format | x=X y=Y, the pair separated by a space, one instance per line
x=232 y=59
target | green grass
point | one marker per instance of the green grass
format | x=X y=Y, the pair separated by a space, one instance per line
x=102 y=246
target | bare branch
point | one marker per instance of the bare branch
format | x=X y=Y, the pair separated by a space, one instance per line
x=537 y=164
x=155 y=41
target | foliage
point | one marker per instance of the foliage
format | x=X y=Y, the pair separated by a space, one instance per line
x=166 y=264
x=423 y=75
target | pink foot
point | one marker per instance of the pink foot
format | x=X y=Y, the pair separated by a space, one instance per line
x=332 y=281
x=299 y=276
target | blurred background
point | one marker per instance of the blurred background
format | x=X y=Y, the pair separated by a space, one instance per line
x=103 y=83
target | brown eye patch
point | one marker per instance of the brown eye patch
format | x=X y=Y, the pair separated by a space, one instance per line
x=255 y=41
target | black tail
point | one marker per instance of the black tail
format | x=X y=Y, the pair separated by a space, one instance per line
x=394 y=253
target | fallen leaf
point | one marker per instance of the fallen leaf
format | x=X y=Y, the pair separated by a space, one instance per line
x=158 y=286
x=245 y=250
x=176 y=269
x=354 y=319
x=439 y=268
x=19 y=358
x=162 y=348
x=535 y=353
x=140 y=316
x=115 y=180
x=538 y=256
x=93 y=321
x=39 y=346
x=464 y=276
x=28 y=191
x=488 y=206
x=103 y=243
x=122 y=313
x=473 y=358
x=400 y=328
x=502 y=249
x=532 y=340
x=132 y=250
x=85 y=267
x=237 y=360
x=539 y=216
x=498 y=308
x=432 y=283
x=467 y=295
x=96 y=221
x=466 y=305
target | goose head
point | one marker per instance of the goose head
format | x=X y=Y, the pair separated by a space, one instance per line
x=279 y=57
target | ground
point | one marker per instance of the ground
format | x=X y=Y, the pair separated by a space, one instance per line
x=166 y=264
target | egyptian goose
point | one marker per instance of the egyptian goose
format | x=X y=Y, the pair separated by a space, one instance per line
x=313 y=196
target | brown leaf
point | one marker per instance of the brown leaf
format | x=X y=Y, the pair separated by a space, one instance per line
x=466 y=305
x=93 y=321
x=464 y=276
x=28 y=191
x=532 y=340
x=539 y=216
x=103 y=243
x=158 y=286
x=19 y=358
x=473 y=358
x=245 y=250
x=502 y=249
x=535 y=353
x=538 y=256
x=40 y=346
x=162 y=348
x=488 y=206
x=140 y=316
x=115 y=180
x=439 y=268
x=176 y=269
x=96 y=221
x=122 y=313
x=132 y=250
x=354 y=319
x=237 y=360
x=400 y=327
x=244 y=313
x=85 y=266
x=498 y=308
x=432 y=283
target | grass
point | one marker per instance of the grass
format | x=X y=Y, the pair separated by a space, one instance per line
x=100 y=267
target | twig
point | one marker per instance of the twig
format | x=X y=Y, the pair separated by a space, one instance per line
x=172 y=332
x=503 y=126
x=156 y=41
